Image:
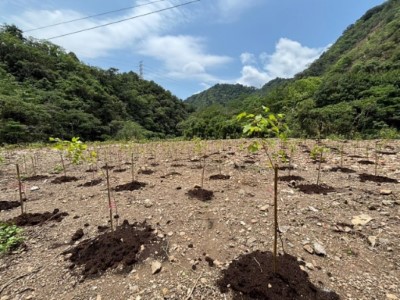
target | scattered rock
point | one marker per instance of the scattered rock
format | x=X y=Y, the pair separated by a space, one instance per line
x=372 y=240
x=361 y=220
x=385 y=192
x=391 y=297
x=308 y=248
x=156 y=267
x=319 y=249
x=264 y=208
x=34 y=188
x=148 y=203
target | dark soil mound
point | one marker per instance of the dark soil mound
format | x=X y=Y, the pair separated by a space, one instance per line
x=315 y=189
x=130 y=186
x=35 y=178
x=387 y=152
x=290 y=178
x=201 y=194
x=7 y=205
x=91 y=170
x=365 y=162
x=355 y=156
x=283 y=168
x=91 y=182
x=219 y=177
x=64 y=179
x=154 y=164
x=342 y=169
x=38 y=218
x=108 y=167
x=251 y=277
x=146 y=171
x=77 y=235
x=369 y=177
x=177 y=165
x=121 y=170
x=249 y=161
x=127 y=245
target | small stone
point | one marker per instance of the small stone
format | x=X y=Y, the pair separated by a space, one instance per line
x=361 y=220
x=388 y=203
x=148 y=203
x=165 y=291
x=309 y=266
x=311 y=208
x=308 y=248
x=319 y=249
x=385 y=192
x=203 y=280
x=156 y=267
x=98 y=297
x=35 y=188
x=264 y=208
x=372 y=240
x=391 y=297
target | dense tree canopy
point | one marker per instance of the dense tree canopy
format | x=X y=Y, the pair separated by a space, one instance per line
x=45 y=91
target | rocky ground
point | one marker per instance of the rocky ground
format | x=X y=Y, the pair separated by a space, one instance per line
x=347 y=238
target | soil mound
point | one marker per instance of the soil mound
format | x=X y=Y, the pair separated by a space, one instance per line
x=63 y=179
x=290 y=178
x=77 y=235
x=315 y=189
x=377 y=178
x=342 y=169
x=7 y=205
x=219 y=177
x=130 y=186
x=251 y=277
x=146 y=171
x=38 y=218
x=126 y=246
x=35 y=178
x=91 y=182
x=201 y=194
x=365 y=162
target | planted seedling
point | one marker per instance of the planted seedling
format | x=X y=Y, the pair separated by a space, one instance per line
x=317 y=154
x=265 y=126
x=75 y=153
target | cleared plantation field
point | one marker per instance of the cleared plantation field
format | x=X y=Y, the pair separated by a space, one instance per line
x=345 y=232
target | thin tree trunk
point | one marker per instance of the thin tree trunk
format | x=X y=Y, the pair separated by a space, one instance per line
x=20 y=190
x=109 y=198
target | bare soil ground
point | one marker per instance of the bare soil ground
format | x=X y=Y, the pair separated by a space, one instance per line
x=344 y=233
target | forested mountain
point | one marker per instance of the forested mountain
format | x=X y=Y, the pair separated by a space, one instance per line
x=353 y=89
x=45 y=92
x=219 y=94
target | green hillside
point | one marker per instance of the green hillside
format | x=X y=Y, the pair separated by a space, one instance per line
x=219 y=94
x=352 y=90
x=45 y=92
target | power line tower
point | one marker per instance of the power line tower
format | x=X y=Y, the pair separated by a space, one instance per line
x=141 y=69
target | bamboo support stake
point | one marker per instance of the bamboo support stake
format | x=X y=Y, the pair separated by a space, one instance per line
x=20 y=190
x=275 y=216
x=109 y=198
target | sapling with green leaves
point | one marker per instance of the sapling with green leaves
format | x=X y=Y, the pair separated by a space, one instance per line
x=264 y=126
x=74 y=148
x=10 y=237
x=317 y=154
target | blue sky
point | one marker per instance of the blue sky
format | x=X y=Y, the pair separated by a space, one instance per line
x=195 y=46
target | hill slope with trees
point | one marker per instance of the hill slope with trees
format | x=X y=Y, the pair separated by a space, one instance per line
x=352 y=90
x=45 y=91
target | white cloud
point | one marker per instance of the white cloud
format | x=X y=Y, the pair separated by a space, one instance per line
x=289 y=58
x=184 y=56
x=99 y=42
x=247 y=58
x=230 y=10
x=251 y=76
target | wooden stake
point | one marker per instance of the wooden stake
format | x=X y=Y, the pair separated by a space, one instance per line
x=20 y=190
x=319 y=166
x=109 y=198
x=275 y=216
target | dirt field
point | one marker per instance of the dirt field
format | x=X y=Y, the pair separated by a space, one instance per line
x=346 y=236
